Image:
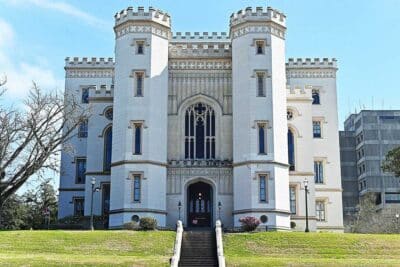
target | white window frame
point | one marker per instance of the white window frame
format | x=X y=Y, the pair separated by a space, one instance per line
x=320 y=121
x=261 y=75
x=320 y=214
x=134 y=125
x=81 y=133
x=133 y=177
x=140 y=43
x=137 y=75
x=263 y=125
x=320 y=163
x=74 y=201
x=266 y=177
x=294 y=186
x=76 y=169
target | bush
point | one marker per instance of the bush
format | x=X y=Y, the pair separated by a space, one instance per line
x=131 y=225
x=148 y=223
x=292 y=224
x=249 y=223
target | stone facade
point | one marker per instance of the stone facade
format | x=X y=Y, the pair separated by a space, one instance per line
x=243 y=98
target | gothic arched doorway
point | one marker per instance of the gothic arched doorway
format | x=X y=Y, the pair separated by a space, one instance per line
x=200 y=204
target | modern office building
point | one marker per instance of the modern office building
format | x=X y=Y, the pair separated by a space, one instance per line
x=364 y=143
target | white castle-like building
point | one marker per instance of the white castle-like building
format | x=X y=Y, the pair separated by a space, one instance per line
x=201 y=126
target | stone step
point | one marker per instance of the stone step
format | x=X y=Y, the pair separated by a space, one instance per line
x=198 y=248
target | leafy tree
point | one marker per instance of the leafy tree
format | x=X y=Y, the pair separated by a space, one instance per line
x=13 y=214
x=370 y=219
x=40 y=201
x=392 y=162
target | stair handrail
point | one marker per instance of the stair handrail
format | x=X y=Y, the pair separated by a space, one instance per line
x=178 y=244
x=220 y=246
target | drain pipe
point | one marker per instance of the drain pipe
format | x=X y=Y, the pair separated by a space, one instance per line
x=220 y=246
x=178 y=244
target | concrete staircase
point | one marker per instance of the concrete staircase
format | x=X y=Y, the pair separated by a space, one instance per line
x=199 y=248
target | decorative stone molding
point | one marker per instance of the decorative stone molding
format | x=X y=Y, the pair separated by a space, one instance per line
x=178 y=175
x=203 y=50
x=310 y=74
x=131 y=27
x=85 y=73
x=200 y=64
x=258 y=29
x=199 y=163
x=216 y=85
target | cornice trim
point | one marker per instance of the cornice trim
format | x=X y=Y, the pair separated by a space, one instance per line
x=123 y=162
x=116 y=211
x=247 y=162
x=71 y=189
x=286 y=212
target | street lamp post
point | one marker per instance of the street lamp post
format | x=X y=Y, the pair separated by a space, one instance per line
x=93 y=182
x=179 y=208
x=306 y=192
x=219 y=209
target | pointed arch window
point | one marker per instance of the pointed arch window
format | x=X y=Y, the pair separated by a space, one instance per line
x=291 y=150
x=107 y=149
x=200 y=132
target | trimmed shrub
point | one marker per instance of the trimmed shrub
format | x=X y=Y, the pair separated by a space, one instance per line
x=148 y=223
x=292 y=224
x=249 y=223
x=131 y=225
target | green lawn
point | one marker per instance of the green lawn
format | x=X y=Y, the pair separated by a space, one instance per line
x=85 y=248
x=154 y=248
x=311 y=249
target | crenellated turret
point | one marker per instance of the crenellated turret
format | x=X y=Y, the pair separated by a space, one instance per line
x=140 y=112
x=151 y=14
x=259 y=14
x=312 y=63
x=89 y=62
x=201 y=37
x=259 y=115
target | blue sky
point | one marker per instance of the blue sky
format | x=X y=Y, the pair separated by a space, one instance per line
x=36 y=36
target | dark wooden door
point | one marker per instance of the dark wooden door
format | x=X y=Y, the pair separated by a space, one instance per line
x=200 y=205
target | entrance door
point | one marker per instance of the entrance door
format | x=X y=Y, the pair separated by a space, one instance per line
x=200 y=205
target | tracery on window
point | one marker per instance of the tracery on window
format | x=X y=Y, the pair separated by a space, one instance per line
x=200 y=132
x=109 y=114
x=289 y=115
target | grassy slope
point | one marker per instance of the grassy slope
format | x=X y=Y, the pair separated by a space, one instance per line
x=312 y=249
x=84 y=248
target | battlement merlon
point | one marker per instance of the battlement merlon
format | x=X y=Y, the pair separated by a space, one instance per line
x=151 y=15
x=260 y=14
x=198 y=37
x=299 y=91
x=76 y=62
x=309 y=63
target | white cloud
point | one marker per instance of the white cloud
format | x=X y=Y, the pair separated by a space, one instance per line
x=20 y=74
x=64 y=8
x=6 y=34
